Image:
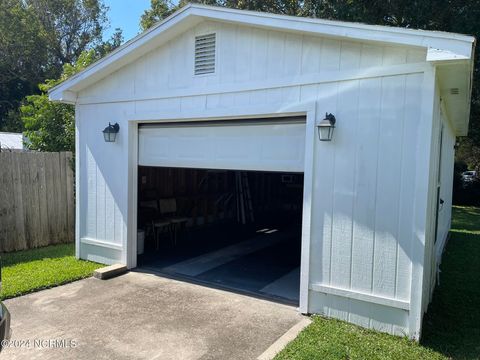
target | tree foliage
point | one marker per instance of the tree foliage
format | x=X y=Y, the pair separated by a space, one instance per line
x=159 y=10
x=50 y=126
x=70 y=26
x=37 y=37
x=22 y=56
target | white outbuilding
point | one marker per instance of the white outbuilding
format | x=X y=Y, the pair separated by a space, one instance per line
x=299 y=159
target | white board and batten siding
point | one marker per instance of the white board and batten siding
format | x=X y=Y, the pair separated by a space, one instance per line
x=364 y=181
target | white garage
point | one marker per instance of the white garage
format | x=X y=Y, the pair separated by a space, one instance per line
x=289 y=158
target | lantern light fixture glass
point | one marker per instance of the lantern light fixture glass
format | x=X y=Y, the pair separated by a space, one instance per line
x=110 y=132
x=326 y=127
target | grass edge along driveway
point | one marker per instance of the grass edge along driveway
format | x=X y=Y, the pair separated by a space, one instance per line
x=451 y=328
x=27 y=271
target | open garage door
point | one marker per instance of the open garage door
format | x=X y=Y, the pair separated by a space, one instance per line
x=273 y=144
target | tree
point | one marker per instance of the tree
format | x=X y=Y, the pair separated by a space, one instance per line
x=37 y=37
x=159 y=10
x=71 y=26
x=50 y=126
x=108 y=46
x=22 y=58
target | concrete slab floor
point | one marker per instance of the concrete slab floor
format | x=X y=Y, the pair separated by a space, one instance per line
x=144 y=316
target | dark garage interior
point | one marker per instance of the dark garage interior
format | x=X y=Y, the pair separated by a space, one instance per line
x=237 y=230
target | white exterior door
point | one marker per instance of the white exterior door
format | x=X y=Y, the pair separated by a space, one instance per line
x=267 y=145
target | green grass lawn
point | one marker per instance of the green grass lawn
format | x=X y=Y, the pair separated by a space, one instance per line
x=31 y=270
x=451 y=328
x=452 y=324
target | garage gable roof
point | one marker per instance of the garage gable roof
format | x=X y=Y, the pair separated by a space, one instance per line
x=442 y=47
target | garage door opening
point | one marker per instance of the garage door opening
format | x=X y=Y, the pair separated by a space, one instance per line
x=239 y=230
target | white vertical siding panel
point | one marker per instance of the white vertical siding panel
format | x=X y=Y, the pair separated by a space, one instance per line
x=293 y=56
x=227 y=53
x=213 y=101
x=259 y=59
x=394 y=55
x=243 y=54
x=193 y=102
x=344 y=179
x=258 y=97
x=405 y=236
x=177 y=64
x=344 y=193
x=274 y=96
x=188 y=43
x=311 y=54
x=157 y=106
x=100 y=183
x=151 y=70
x=350 y=55
x=109 y=215
x=388 y=188
x=242 y=98
x=157 y=70
x=322 y=204
x=309 y=93
x=366 y=183
x=371 y=55
x=330 y=59
x=291 y=94
x=276 y=54
x=118 y=221
x=91 y=218
x=227 y=100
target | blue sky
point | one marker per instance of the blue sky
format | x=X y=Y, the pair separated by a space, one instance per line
x=125 y=14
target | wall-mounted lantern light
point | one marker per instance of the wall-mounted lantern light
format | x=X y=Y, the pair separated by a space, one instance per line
x=325 y=127
x=110 y=132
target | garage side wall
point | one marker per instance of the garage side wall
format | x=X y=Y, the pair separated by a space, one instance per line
x=442 y=160
x=363 y=181
x=102 y=197
x=364 y=196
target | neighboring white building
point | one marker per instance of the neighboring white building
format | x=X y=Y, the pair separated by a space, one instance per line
x=11 y=141
x=377 y=198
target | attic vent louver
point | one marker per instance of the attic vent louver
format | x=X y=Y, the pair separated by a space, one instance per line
x=205 y=54
x=454 y=91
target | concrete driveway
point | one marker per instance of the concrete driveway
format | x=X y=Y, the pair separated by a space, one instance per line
x=143 y=316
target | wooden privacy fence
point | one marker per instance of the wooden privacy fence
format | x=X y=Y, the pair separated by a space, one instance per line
x=36 y=199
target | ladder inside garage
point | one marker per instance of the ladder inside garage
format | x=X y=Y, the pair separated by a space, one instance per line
x=244 y=198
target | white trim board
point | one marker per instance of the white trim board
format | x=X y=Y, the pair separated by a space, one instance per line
x=351 y=294
x=101 y=243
